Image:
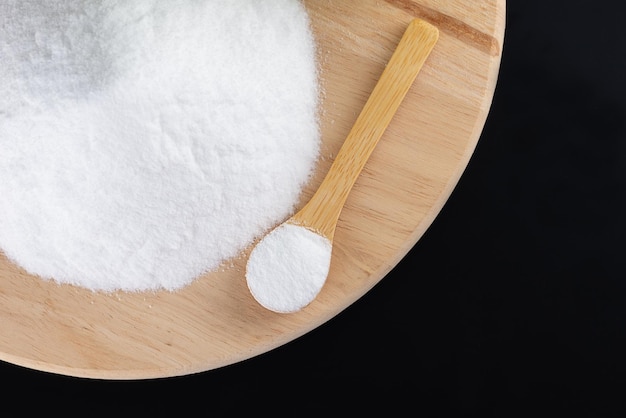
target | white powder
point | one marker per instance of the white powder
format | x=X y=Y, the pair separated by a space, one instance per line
x=145 y=142
x=288 y=268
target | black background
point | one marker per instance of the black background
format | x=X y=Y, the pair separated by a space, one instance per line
x=514 y=301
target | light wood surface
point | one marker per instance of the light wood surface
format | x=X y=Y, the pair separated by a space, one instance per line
x=215 y=321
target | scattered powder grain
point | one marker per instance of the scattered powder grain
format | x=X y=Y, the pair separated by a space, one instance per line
x=145 y=142
x=288 y=268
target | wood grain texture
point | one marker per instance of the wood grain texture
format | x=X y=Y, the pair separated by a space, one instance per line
x=215 y=321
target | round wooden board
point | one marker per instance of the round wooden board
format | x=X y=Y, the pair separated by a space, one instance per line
x=214 y=321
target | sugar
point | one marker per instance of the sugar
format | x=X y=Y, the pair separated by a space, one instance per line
x=288 y=268
x=144 y=143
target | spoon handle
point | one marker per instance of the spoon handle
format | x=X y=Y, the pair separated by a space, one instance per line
x=322 y=211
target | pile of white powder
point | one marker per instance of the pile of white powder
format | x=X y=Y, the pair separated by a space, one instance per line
x=145 y=142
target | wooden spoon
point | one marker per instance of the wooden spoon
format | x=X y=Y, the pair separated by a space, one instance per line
x=288 y=267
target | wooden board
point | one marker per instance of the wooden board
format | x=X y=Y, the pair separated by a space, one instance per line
x=214 y=321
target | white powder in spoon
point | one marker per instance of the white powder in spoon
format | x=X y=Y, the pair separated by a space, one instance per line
x=288 y=268
x=145 y=142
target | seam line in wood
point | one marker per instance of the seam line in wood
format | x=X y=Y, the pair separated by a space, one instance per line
x=457 y=28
